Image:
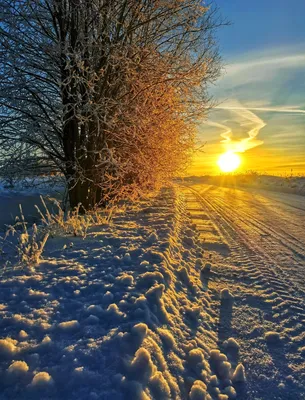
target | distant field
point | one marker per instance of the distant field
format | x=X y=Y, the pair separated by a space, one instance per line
x=28 y=196
x=293 y=184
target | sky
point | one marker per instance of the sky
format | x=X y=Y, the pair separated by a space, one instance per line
x=261 y=94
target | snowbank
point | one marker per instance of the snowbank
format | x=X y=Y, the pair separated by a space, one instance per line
x=120 y=315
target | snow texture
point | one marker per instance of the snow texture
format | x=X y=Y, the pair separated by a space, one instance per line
x=253 y=269
x=160 y=304
x=121 y=314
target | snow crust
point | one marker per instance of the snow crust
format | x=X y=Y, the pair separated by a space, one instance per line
x=123 y=314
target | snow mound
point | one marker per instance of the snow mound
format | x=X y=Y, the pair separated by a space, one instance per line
x=239 y=374
x=272 y=337
x=199 y=391
x=41 y=379
x=122 y=314
x=69 y=326
x=7 y=348
x=18 y=368
x=232 y=344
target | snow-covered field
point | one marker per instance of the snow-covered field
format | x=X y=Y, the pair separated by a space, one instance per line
x=195 y=294
x=289 y=184
x=27 y=193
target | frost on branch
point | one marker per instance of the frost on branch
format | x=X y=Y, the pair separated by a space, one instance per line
x=110 y=105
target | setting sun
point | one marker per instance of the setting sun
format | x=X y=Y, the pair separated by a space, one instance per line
x=229 y=162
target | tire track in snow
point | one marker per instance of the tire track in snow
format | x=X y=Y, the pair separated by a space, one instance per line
x=286 y=297
x=246 y=232
x=296 y=245
x=286 y=256
x=262 y=206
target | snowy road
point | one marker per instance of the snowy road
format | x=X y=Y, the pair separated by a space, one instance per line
x=271 y=226
x=257 y=241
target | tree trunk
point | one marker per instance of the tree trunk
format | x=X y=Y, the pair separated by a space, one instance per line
x=78 y=196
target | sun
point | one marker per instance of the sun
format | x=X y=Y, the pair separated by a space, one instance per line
x=229 y=162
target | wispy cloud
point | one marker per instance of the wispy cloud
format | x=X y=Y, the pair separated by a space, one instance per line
x=267 y=109
x=269 y=83
x=275 y=70
x=227 y=132
x=284 y=61
x=246 y=119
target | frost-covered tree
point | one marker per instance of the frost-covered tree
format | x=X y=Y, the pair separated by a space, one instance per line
x=105 y=91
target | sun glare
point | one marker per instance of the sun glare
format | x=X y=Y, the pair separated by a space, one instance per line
x=229 y=162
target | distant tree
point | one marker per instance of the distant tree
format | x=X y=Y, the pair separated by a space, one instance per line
x=107 y=92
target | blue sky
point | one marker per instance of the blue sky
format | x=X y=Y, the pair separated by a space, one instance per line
x=261 y=24
x=261 y=95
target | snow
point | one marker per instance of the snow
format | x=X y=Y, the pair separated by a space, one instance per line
x=7 y=348
x=119 y=313
x=41 y=379
x=199 y=391
x=226 y=296
x=231 y=343
x=23 y=335
x=239 y=374
x=272 y=337
x=169 y=301
x=40 y=185
x=230 y=392
x=167 y=338
x=27 y=193
x=69 y=326
x=288 y=183
x=255 y=239
x=18 y=368
x=206 y=269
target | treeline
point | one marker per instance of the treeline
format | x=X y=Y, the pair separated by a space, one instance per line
x=107 y=92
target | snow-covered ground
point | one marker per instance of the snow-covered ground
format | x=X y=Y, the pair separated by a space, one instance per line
x=124 y=313
x=289 y=184
x=197 y=293
x=257 y=239
x=27 y=193
x=39 y=185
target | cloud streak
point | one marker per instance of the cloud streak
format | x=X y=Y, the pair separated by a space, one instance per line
x=266 y=109
x=271 y=72
x=246 y=119
x=281 y=61
x=226 y=135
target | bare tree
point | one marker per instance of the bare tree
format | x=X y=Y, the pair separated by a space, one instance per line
x=105 y=91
